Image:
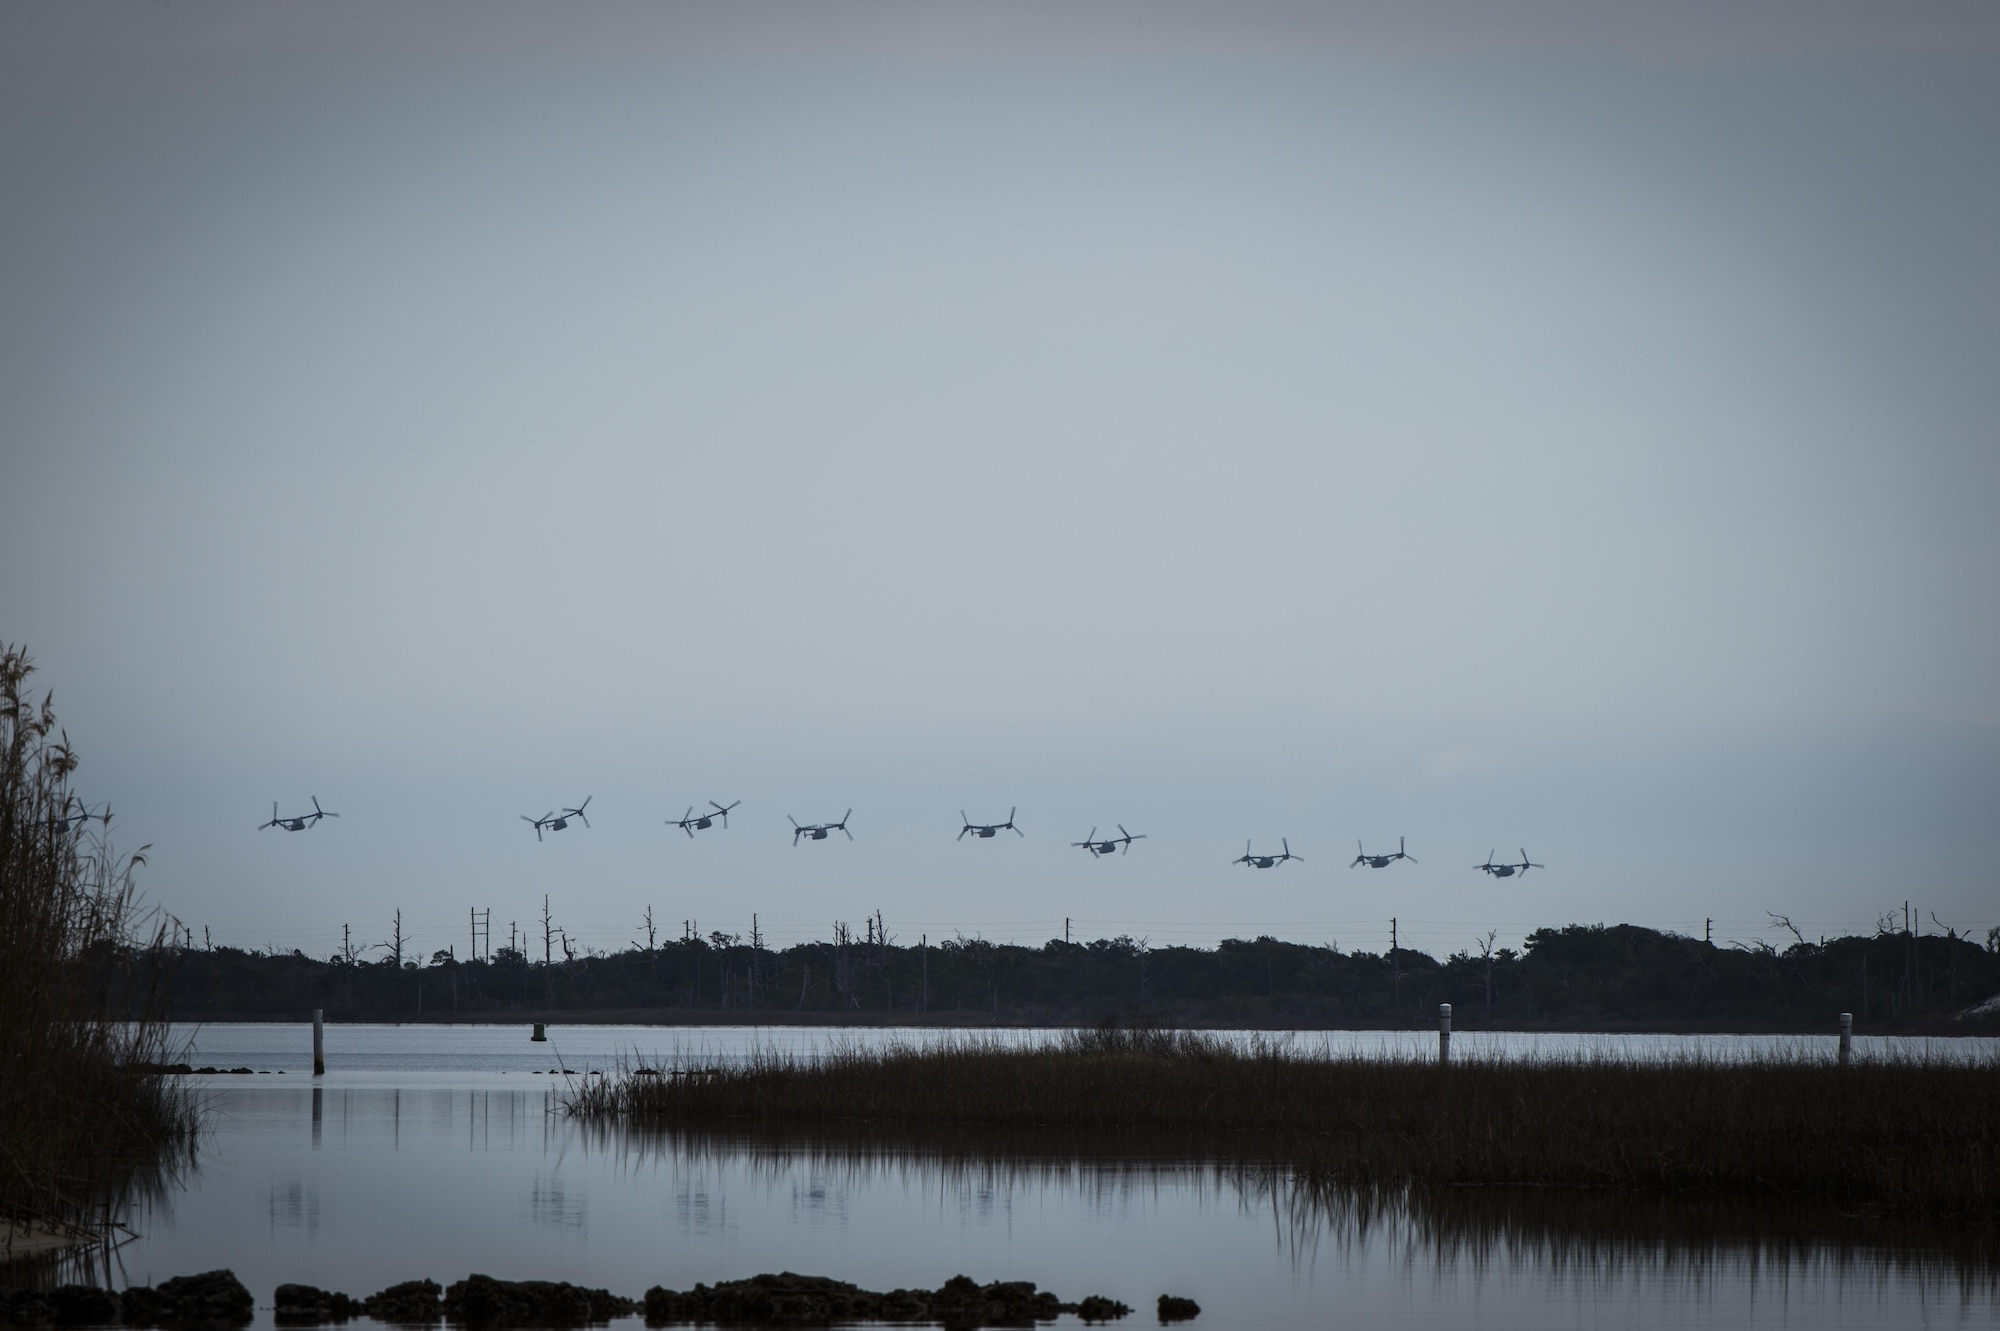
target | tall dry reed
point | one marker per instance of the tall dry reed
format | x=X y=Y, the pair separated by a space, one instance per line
x=82 y=1007
x=1914 y=1135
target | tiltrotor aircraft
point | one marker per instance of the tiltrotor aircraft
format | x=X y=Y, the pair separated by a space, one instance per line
x=1098 y=848
x=818 y=831
x=298 y=823
x=1267 y=861
x=1381 y=861
x=691 y=824
x=554 y=822
x=988 y=830
x=1507 y=870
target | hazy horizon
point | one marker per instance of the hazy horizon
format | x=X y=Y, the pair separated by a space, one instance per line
x=1551 y=426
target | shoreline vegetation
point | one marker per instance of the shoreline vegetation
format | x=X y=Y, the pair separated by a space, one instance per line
x=1902 y=979
x=85 y=1121
x=1906 y=1136
x=667 y=1018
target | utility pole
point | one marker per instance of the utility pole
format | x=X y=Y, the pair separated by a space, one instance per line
x=1395 y=967
x=924 y=946
x=1065 y=929
x=1708 y=931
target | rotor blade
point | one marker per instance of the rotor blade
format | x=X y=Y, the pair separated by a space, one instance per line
x=843 y=829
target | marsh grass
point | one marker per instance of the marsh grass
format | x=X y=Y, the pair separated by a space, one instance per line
x=82 y=1004
x=1916 y=1135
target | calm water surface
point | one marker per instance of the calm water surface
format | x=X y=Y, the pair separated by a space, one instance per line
x=439 y=1151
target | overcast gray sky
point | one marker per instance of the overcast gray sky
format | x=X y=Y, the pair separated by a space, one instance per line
x=1570 y=426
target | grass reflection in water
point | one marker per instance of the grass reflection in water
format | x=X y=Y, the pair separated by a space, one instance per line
x=1675 y=1241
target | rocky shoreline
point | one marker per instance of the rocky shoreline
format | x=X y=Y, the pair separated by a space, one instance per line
x=219 y=1299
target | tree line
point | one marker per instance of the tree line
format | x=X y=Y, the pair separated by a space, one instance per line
x=1577 y=977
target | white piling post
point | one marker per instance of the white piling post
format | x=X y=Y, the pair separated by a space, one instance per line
x=1444 y=1032
x=1846 y=1038
x=319 y=1042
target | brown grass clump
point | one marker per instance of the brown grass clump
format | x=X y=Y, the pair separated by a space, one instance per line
x=82 y=1018
x=1914 y=1135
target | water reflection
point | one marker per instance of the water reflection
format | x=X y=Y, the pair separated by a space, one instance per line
x=1565 y=1236
x=355 y=1188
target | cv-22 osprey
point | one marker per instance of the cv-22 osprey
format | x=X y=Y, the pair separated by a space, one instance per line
x=690 y=823
x=1507 y=870
x=987 y=830
x=296 y=822
x=818 y=831
x=1099 y=849
x=1381 y=861
x=554 y=822
x=1267 y=861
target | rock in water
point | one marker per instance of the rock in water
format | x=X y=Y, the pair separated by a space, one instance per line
x=413 y=1301
x=1177 y=1310
x=25 y=1307
x=213 y=1297
x=308 y=1305
x=1097 y=1308
x=83 y=1305
x=482 y=1301
x=788 y=1299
